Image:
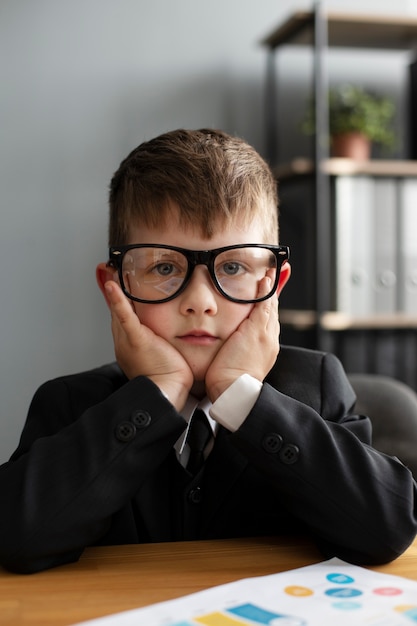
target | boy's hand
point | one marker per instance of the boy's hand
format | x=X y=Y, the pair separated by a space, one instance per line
x=251 y=349
x=140 y=352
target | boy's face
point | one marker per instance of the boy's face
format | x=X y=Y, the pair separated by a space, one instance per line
x=199 y=320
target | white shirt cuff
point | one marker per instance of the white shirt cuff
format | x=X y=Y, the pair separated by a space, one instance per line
x=234 y=405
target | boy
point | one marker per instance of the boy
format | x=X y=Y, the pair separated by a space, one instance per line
x=192 y=283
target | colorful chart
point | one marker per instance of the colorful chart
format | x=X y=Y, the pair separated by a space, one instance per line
x=327 y=594
x=341 y=591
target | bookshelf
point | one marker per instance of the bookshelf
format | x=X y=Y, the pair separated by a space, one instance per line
x=346 y=30
x=340 y=166
x=317 y=318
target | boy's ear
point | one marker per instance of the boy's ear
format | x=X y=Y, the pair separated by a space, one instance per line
x=284 y=276
x=104 y=273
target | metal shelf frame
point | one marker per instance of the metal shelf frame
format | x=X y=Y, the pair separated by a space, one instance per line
x=321 y=30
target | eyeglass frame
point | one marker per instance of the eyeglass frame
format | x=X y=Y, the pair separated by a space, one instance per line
x=194 y=258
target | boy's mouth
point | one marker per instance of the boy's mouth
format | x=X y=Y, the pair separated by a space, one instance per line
x=199 y=337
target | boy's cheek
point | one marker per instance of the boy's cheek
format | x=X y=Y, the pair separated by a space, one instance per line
x=150 y=317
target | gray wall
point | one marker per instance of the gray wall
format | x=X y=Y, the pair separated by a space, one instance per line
x=82 y=83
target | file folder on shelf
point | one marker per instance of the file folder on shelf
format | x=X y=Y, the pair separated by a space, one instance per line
x=366 y=246
x=407 y=248
x=353 y=204
x=384 y=281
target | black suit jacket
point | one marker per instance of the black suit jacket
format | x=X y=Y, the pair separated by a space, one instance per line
x=96 y=465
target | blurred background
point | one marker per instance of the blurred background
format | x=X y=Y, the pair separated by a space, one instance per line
x=83 y=83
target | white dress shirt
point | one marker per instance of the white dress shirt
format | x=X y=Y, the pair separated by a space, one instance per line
x=230 y=410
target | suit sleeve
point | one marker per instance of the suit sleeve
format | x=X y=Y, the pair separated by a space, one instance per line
x=73 y=474
x=359 y=503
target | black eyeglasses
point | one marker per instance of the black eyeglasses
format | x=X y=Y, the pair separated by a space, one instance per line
x=152 y=273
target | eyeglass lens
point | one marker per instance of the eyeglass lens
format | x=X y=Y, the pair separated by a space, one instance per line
x=156 y=273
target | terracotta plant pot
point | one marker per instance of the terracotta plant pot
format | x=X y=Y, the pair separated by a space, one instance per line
x=352 y=146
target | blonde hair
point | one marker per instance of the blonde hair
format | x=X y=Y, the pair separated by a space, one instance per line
x=213 y=178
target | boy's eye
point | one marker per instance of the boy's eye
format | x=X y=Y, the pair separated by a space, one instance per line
x=164 y=269
x=163 y=265
x=231 y=268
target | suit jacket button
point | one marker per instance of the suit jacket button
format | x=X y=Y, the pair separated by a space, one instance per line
x=141 y=419
x=125 y=431
x=195 y=496
x=289 y=454
x=272 y=442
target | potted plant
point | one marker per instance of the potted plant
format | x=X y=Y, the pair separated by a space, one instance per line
x=357 y=118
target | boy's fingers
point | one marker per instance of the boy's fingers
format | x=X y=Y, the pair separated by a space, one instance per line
x=265 y=313
x=112 y=291
x=119 y=306
x=263 y=290
x=265 y=286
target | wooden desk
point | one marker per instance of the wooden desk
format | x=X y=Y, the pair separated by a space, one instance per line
x=113 y=579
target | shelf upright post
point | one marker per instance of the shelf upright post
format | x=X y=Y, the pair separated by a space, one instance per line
x=412 y=106
x=271 y=109
x=322 y=185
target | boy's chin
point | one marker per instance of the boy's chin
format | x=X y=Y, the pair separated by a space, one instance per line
x=199 y=371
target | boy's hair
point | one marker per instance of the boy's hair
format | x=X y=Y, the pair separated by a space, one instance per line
x=212 y=178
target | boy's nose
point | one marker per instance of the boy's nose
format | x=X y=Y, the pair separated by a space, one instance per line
x=200 y=295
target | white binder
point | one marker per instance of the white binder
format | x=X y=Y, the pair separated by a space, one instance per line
x=407 y=283
x=385 y=222
x=354 y=248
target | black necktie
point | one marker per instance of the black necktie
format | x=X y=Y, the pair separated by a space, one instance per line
x=199 y=434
